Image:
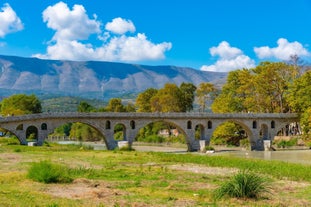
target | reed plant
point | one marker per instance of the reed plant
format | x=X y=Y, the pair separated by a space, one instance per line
x=244 y=184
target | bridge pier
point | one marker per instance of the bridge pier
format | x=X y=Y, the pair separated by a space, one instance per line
x=111 y=143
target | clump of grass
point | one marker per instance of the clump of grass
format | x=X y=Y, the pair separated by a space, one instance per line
x=126 y=148
x=244 y=184
x=18 y=150
x=48 y=172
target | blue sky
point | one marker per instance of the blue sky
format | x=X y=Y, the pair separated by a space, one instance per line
x=220 y=35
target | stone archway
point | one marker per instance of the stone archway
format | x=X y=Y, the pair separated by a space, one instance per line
x=32 y=133
x=119 y=132
x=264 y=132
x=199 y=132
x=161 y=132
x=240 y=131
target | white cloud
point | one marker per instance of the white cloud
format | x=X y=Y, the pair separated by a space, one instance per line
x=72 y=26
x=133 y=49
x=230 y=58
x=9 y=21
x=120 y=26
x=283 y=51
x=225 y=51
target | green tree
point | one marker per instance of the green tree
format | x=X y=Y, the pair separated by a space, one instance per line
x=85 y=107
x=227 y=133
x=143 y=100
x=271 y=85
x=299 y=99
x=168 y=99
x=130 y=107
x=300 y=93
x=261 y=89
x=205 y=92
x=188 y=95
x=20 y=104
x=115 y=105
x=63 y=130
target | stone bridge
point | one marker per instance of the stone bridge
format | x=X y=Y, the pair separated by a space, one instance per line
x=259 y=127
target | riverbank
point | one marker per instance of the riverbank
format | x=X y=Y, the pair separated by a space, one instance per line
x=138 y=178
x=296 y=154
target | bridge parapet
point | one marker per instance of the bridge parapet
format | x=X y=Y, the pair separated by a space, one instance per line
x=151 y=115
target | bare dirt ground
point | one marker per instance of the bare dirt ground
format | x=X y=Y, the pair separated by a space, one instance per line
x=100 y=192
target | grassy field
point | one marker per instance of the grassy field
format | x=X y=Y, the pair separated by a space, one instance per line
x=131 y=178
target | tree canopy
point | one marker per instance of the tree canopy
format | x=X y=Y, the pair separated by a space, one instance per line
x=20 y=104
x=170 y=98
x=261 y=89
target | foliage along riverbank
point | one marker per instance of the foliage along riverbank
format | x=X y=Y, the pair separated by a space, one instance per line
x=121 y=178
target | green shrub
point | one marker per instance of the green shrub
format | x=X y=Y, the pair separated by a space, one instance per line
x=48 y=172
x=119 y=136
x=152 y=139
x=243 y=185
x=209 y=148
x=9 y=140
x=245 y=143
x=13 y=141
x=127 y=148
x=177 y=139
x=17 y=150
x=285 y=143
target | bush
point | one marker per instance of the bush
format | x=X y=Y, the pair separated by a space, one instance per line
x=47 y=172
x=243 y=185
x=13 y=141
x=152 y=139
x=285 y=143
x=127 y=148
x=209 y=148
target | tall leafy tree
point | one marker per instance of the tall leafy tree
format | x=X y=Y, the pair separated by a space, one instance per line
x=20 y=104
x=272 y=81
x=261 y=89
x=168 y=99
x=300 y=101
x=188 y=95
x=235 y=93
x=85 y=107
x=205 y=92
x=115 y=105
x=143 y=100
x=299 y=95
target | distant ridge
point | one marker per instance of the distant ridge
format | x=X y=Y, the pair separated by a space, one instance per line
x=92 y=79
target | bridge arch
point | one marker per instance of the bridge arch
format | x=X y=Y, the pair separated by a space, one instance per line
x=175 y=124
x=246 y=126
x=200 y=132
x=20 y=127
x=13 y=132
x=123 y=132
x=94 y=125
x=264 y=132
x=32 y=132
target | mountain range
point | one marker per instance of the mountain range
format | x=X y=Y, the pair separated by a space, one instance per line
x=92 y=79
